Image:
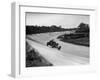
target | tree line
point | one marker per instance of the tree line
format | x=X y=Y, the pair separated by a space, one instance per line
x=34 y=29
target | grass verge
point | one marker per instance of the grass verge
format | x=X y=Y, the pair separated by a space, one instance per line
x=34 y=59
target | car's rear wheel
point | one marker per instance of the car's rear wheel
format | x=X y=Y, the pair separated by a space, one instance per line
x=59 y=47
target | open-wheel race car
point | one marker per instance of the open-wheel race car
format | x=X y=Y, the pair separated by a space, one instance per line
x=53 y=44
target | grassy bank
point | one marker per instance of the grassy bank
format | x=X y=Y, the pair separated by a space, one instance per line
x=79 y=41
x=34 y=59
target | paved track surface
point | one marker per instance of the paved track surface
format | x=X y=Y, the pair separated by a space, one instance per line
x=69 y=54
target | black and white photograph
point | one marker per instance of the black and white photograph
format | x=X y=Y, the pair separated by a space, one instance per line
x=56 y=39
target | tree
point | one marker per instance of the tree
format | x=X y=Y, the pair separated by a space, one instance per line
x=83 y=28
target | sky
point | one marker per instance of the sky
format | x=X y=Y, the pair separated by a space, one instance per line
x=48 y=19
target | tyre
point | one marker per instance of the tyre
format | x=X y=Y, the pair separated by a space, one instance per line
x=59 y=47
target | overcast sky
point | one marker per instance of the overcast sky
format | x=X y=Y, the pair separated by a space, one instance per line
x=66 y=21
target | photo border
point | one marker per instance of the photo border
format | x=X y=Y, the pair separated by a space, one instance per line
x=18 y=68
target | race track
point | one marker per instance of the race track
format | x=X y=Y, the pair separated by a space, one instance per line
x=68 y=55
